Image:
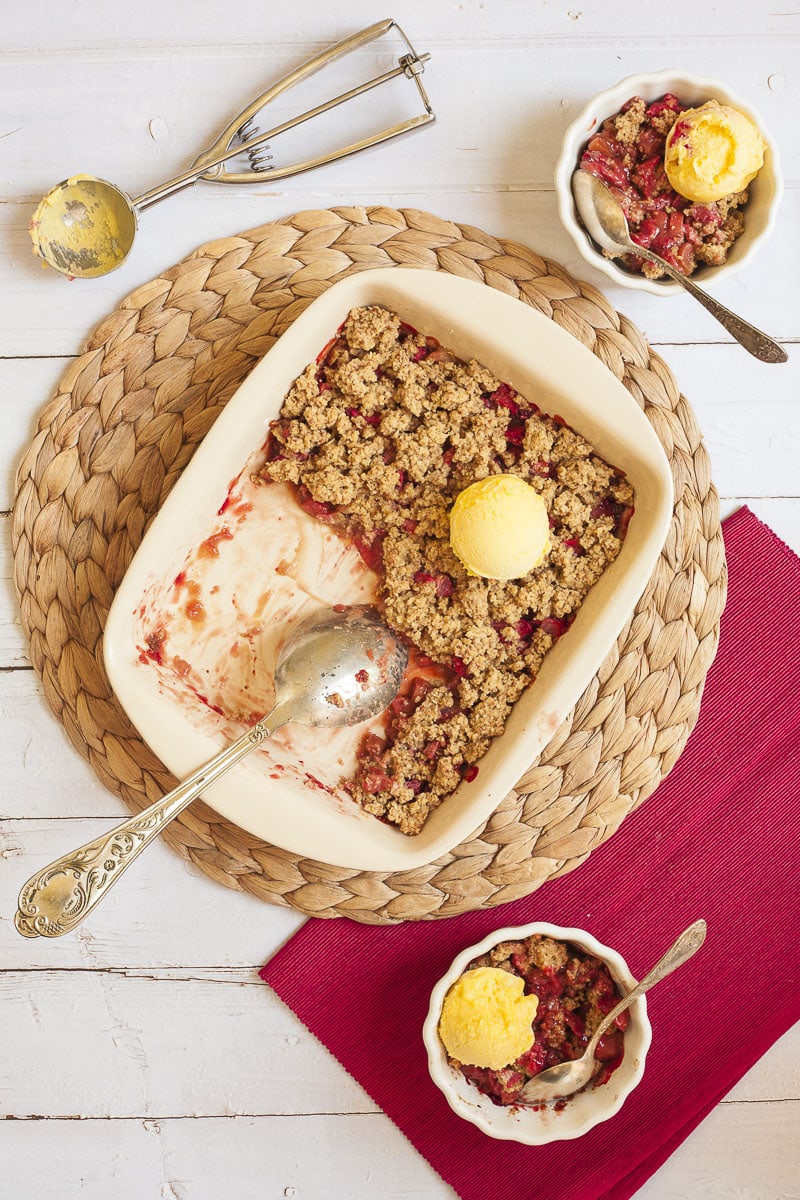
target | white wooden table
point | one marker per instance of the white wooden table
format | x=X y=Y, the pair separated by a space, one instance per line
x=142 y=1057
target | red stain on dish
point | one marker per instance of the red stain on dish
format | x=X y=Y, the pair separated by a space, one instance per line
x=233 y=508
x=154 y=643
x=194 y=608
x=318 y=784
x=195 y=611
x=210 y=547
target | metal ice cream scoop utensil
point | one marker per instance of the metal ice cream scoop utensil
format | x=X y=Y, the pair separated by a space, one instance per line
x=565 y=1078
x=607 y=225
x=85 y=226
x=337 y=667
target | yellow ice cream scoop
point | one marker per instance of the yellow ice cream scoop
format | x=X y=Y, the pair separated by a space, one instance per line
x=499 y=527
x=712 y=151
x=486 y=1020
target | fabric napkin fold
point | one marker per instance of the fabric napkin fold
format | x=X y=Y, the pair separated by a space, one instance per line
x=720 y=838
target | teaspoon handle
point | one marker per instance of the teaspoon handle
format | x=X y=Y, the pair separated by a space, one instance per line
x=686 y=945
x=56 y=899
x=759 y=344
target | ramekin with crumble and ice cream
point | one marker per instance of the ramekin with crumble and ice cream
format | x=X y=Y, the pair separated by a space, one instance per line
x=547 y=989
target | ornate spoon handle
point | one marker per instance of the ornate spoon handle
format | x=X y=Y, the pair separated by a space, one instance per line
x=686 y=945
x=55 y=900
x=759 y=344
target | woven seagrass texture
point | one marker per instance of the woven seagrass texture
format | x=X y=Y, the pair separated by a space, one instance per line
x=126 y=419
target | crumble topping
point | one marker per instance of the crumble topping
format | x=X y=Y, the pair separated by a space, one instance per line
x=378 y=437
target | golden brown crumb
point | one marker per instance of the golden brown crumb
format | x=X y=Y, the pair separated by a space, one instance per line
x=629 y=122
x=380 y=436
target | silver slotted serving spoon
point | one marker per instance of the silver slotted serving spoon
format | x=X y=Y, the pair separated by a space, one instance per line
x=568 y=1077
x=606 y=224
x=337 y=667
x=85 y=226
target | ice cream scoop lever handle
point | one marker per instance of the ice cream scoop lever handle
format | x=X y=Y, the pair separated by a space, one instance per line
x=687 y=944
x=759 y=344
x=56 y=899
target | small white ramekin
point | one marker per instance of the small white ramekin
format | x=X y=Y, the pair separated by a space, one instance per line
x=765 y=190
x=548 y=1122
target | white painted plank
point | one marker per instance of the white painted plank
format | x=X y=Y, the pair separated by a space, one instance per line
x=48 y=315
x=750 y=423
x=126 y=1044
x=105 y=1044
x=360 y=1157
x=164 y=913
x=43 y=774
x=26 y=384
x=13 y=643
x=776 y=1075
x=741 y=1152
x=501 y=109
x=151 y=24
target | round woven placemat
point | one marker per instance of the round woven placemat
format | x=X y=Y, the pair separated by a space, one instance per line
x=126 y=419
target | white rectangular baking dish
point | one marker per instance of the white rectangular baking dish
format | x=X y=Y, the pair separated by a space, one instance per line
x=546 y=365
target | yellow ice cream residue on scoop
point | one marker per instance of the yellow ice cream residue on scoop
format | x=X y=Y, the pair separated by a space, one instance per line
x=83 y=227
x=486 y=1020
x=499 y=527
x=712 y=151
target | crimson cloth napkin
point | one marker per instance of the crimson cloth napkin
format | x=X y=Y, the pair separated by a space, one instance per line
x=719 y=839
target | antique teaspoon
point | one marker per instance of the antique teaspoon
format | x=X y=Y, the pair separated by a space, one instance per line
x=565 y=1078
x=607 y=225
x=337 y=667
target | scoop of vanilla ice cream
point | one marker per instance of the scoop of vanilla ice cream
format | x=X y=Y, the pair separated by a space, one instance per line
x=499 y=527
x=712 y=151
x=486 y=1020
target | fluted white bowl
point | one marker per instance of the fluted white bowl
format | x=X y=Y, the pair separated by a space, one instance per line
x=765 y=191
x=547 y=1122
